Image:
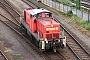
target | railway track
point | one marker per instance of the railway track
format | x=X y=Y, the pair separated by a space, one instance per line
x=25 y=37
x=79 y=51
x=9 y=22
x=76 y=47
x=15 y=27
x=5 y=5
x=3 y=56
x=28 y=3
x=84 y=4
x=54 y=55
x=50 y=56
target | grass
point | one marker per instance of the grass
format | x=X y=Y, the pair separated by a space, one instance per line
x=81 y=22
x=14 y=54
x=70 y=13
x=78 y=20
x=17 y=55
x=7 y=50
x=83 y=10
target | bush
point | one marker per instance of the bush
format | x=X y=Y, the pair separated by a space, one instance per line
x=70 y=13
x=87 y=26
x=81 y=22
x=17 y=55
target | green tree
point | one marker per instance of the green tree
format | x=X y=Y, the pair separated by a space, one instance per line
x=78 y=4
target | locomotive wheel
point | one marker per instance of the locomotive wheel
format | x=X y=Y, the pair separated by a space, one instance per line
x=62 y=46
x=37 y=44
x=32 y=37
x=40 y=44
x=54 y=49
x=54 y=46
x=23 y=29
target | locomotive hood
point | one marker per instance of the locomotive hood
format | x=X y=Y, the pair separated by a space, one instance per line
x=49 y=23
x=50 y=29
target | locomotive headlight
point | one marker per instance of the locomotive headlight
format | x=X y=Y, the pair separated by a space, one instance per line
x=47 y=29
x=51 y=28
x=56 y=28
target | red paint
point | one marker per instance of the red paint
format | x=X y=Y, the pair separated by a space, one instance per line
x=44 y=24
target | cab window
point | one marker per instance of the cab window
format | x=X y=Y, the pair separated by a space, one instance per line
x=47 y=14
x=39 y=15
x=31 y=16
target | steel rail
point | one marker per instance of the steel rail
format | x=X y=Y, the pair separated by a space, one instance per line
x=4 y=6
x=84 y=5
x=10 y=20
x=19 y=33
x=61 y=55
x=71 y=36
x=11 y=7
x=47 y=56
x=33 y=3
x=44 y=52
x=4 y=55
x=41 y=53
x=27 y=3
x=57 y=53
x=74 y=40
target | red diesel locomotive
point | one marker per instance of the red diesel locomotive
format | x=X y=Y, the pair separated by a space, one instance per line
x=40 y=25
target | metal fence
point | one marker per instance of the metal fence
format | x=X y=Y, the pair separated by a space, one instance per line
x=64 y=8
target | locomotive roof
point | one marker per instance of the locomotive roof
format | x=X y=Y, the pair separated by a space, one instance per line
x=35 y=11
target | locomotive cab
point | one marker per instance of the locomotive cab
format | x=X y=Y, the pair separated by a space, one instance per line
x=44 y=16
